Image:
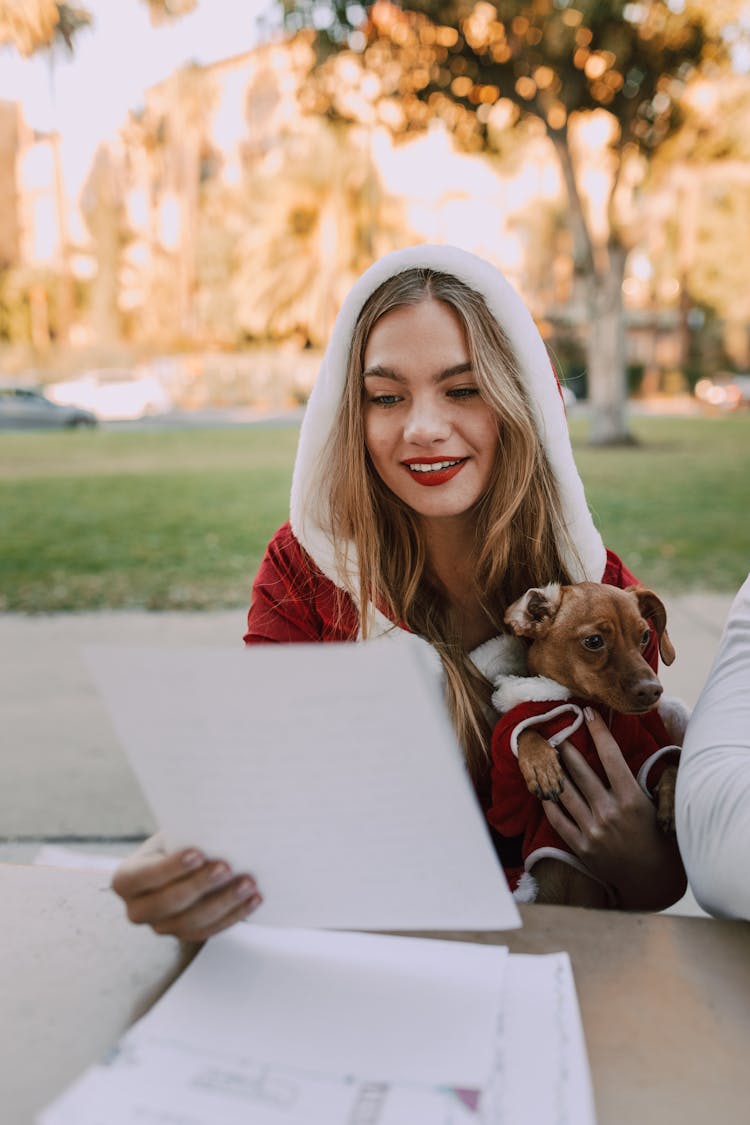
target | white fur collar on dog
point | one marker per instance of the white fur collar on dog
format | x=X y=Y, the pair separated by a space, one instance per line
x=503 y=661
x=512 y=690
x=504 y=655
x=307 y=513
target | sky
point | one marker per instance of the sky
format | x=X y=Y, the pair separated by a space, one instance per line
x=86 y=95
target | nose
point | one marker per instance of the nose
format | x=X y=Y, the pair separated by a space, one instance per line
x=647 y=692
x=427 y=422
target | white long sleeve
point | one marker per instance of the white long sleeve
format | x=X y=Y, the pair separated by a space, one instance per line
x=713 y=781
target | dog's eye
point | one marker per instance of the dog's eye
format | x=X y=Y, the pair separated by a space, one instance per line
x=593 y=643
x=645 y=638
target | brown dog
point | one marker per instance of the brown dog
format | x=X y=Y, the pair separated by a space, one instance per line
x=591 y=639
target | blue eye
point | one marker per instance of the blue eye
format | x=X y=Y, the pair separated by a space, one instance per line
x=385 y=400
x=463 y=392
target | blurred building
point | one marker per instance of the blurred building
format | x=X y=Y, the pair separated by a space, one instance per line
x=11 y=133
x=34 y=243
x=247 y=219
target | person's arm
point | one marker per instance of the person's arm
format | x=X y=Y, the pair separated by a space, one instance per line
x=713 y=781
x=293 y=602
x=614 y=830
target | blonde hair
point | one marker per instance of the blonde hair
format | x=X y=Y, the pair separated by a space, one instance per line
x=518 y=525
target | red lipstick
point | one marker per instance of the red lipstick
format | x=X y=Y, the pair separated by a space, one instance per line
x=429 y=477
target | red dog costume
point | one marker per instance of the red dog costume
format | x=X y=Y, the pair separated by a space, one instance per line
x=649 y=743
x=643 y=739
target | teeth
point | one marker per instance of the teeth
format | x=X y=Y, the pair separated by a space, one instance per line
x=437 y=467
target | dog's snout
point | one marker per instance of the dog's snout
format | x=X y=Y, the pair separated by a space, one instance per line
x=647 y=692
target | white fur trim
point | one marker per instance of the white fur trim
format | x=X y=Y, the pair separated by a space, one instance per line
x=526 y=889
x=307 y=505
x=512 y=690
x=536 y=720
x=674 y=714
x=504 y=655
x=644 y=771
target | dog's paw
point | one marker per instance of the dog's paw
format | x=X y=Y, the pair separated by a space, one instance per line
x=544 y=776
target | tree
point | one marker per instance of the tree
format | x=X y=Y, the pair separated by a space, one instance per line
x=556 y=61
x=37 y=25
x=103 y=208
x=33 y=25
x=315 y=215
x=702 y=240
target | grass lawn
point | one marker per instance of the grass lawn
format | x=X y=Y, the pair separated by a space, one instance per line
x=180 y=519
x=160 y=520
x=676 y=508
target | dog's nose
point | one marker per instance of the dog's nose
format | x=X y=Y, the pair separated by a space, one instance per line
x=647 y=693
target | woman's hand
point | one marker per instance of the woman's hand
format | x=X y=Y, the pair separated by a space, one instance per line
x=184 y=894
x=614 y=831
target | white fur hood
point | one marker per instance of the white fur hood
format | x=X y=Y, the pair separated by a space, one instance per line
x=536 y=369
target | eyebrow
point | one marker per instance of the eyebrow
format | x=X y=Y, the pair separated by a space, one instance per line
x=378 y=370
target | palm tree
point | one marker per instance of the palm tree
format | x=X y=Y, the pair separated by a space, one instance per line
x=316 y=216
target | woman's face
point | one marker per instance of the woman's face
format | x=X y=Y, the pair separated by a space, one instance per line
x=431 y=437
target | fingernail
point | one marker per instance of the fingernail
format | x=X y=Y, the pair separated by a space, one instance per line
x=589 y=714
x=244 y=888
x=219 y=871
x=191 y=859
x=254 y=902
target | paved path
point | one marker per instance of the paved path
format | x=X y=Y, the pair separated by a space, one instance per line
x=64 y=778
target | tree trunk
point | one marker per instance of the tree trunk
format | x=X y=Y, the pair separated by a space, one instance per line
x=603 y=274
x=188 y=194
x=102 y=205
x=606 y=359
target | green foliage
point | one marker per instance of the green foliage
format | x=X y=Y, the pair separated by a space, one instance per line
x=549 y=58
x=19 y=287
x=41 y=25
x=179 y=520
x=49 y=22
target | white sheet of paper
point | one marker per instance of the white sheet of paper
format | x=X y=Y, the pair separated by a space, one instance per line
x=387 y=1008
x=331 y=772
x=294 y=1019
x=541 y=1070
x=153 y=1083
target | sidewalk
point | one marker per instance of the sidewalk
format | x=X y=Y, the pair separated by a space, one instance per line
x=65 y=779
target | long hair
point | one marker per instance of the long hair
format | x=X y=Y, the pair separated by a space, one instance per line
x=518 y=530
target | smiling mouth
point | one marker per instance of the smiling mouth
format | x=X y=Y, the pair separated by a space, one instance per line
x=434 y=471
x=433 y=466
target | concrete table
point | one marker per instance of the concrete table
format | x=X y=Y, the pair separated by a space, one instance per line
x=665 y=1000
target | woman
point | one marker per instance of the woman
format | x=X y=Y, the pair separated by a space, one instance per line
x=434 y=482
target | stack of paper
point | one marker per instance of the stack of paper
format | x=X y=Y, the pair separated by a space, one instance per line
x=333 y=775
x=292 y=1027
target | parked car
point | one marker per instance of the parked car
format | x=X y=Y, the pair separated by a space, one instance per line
x=28 y=409
x=724 y=392
x=116 y=394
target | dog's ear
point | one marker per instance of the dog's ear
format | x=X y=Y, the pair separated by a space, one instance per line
x=534 y=612
x=652 y=608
